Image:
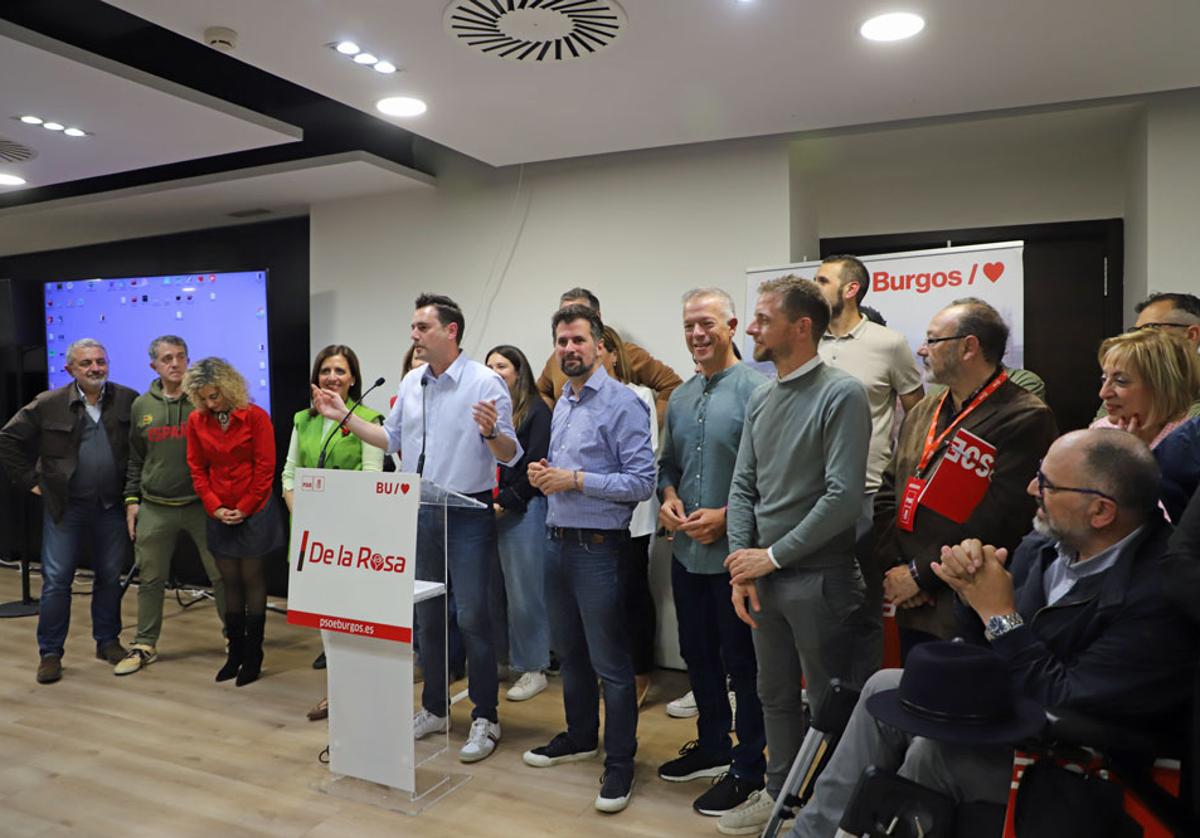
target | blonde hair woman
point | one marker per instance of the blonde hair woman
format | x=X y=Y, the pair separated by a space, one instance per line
x=1150 y=379
x=231 y=455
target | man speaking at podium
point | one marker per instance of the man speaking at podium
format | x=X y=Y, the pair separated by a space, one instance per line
x=452 y=423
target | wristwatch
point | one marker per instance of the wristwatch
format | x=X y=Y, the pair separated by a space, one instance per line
x=1001 y=625
x=492 y=435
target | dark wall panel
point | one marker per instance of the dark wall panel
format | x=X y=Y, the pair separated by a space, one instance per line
x=280 y=247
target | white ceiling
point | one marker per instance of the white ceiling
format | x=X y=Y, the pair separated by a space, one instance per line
x=136 y=120
x=686 y=71
x=284 y=189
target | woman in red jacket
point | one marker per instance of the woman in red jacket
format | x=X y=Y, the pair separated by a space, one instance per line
x=231 y=454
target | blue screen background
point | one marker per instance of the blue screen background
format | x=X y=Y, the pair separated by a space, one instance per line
x=223 y=314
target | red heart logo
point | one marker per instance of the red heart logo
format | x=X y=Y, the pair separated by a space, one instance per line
x=404 y=487
x=993 y=270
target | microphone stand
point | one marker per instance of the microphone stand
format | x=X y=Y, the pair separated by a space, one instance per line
x=421 y=459
x=325 y=448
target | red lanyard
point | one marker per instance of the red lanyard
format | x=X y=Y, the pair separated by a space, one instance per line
x=932 y=444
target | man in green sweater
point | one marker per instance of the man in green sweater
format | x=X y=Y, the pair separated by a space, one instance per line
x=160 y=501
x=796 y=493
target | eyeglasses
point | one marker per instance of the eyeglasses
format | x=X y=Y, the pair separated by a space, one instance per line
x=1044 y=484
x=1160 y=326
x=931 y=341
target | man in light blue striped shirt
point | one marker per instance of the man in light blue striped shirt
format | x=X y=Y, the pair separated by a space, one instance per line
x=600 y=466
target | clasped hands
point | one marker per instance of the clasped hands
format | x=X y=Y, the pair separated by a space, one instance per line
x=229 y=516
x=550 y=480
x=704 y=526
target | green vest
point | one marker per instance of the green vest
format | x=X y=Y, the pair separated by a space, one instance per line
x=344 y=451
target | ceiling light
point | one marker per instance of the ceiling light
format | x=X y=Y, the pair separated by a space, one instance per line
x=400 y=106
x=365 y=58
x=347 y=48
x=892 y=27
x=52 y=126
x=385 y=67
x=32 y=120
x=11 y=180
x=75 y=132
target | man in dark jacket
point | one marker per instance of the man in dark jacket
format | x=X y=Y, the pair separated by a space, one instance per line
x=1084 y=622
x=960 y=466
x=70 y=446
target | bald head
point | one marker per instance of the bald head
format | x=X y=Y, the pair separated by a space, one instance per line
x=1111 y=461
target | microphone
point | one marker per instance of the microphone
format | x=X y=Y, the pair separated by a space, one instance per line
x=325 y=448
x=421 y=459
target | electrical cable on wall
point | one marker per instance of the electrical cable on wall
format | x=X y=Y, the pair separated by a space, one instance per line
x=486 y=298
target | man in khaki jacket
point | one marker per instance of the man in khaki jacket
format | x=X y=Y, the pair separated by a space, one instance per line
x=960 y=467
x=644 y=368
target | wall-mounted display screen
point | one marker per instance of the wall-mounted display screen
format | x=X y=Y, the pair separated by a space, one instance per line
x=223 y=314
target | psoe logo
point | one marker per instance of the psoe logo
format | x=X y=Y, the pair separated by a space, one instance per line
x=310 y=483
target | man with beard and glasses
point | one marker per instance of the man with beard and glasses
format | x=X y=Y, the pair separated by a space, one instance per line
x=70 y=446
x=960 y=467
x=600 y=467
x=1081 y=615
x=881 y=359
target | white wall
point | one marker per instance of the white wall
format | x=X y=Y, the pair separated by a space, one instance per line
x=1173 y=192
x=638 y=229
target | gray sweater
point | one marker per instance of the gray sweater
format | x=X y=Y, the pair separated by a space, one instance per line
x=801 y=469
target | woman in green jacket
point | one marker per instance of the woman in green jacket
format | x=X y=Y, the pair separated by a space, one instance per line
x=335 y=368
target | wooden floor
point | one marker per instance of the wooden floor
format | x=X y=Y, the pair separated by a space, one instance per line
x=168 y=752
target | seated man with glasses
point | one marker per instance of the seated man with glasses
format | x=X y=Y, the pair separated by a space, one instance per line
x=1081 y=616
x=960 y=466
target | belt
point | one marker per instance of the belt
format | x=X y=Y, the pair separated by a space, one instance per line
x=583 y=535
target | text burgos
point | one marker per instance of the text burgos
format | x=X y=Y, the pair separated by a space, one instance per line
x=364 y=558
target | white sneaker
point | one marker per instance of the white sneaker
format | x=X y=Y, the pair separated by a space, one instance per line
x=481 y=741
x=527 y=686
x=750 y=817
x=425 y=723
x=683 y=707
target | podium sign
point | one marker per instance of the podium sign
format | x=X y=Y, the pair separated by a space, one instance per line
x=353 y=552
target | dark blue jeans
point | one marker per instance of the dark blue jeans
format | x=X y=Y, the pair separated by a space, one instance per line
x=465 y=540
x=104 y=529
x=587 y=630
x=715 y=644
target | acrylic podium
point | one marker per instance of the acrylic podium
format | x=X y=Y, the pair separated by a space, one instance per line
x=353 y=575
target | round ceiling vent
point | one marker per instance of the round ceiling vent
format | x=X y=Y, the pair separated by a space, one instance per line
x=535 y=30
x=13 y=152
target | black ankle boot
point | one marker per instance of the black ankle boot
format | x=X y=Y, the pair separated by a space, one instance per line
x=235 y=631
x=252 y=656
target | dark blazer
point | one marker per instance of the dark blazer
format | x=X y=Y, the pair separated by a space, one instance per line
x=1116 y=647
x=40 y=445
x=1021 y=427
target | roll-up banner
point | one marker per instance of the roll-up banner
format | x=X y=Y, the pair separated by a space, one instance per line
x=909 y=288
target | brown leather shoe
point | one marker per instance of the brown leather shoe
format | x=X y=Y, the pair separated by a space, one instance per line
x=49 y=669
x=112 y=651
x=319 y=711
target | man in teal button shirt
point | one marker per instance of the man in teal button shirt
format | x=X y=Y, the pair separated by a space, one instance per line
x=700 y=444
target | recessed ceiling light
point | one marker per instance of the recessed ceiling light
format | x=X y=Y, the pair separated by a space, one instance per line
x=385 y=67
x=892 y=27
x=348 y=48
x=11 y=180
x=75 y=132
x=400 y=106
x=365 y=58
x=52 y=126
x=32 y=120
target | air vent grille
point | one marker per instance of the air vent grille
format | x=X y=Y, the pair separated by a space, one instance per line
x=12 y=151
x=535 y=30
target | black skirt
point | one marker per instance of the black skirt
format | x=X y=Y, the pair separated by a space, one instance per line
x=254 y=538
